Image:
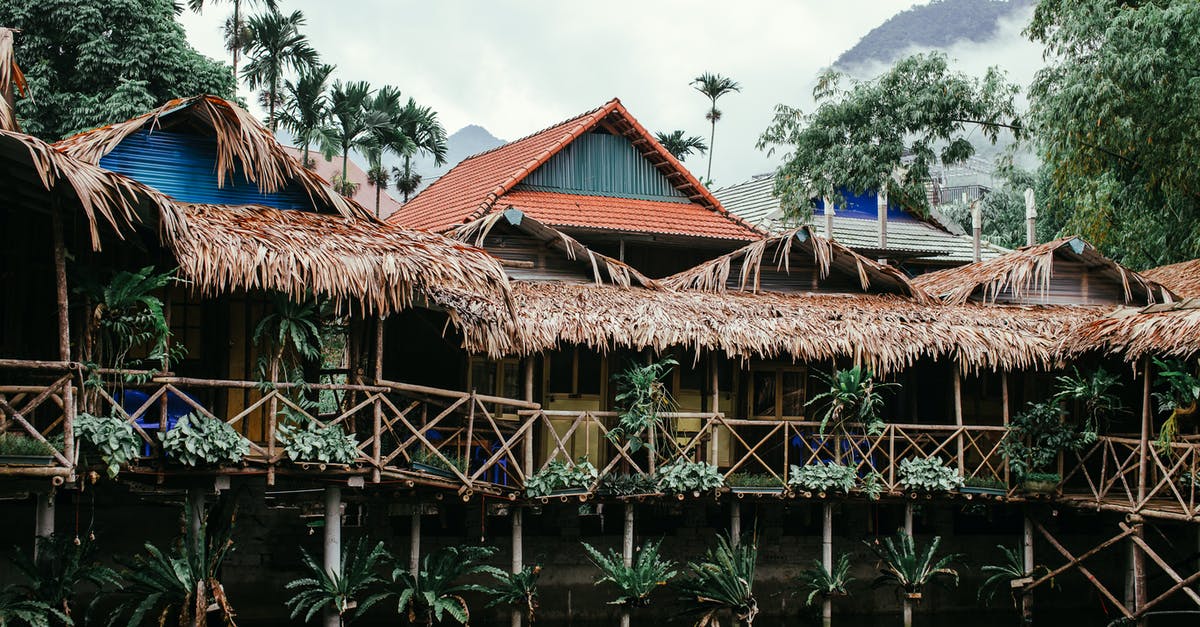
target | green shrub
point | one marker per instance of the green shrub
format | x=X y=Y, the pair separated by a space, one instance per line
x=823 y=477
x=648 y=572
x=23 y=445
x=311 y=442
x=109 y=437
x=1036 y=436
x=928 y=475
x=819 y=583
x=559 y=475
x=985 y=482
x=627 y=485
x=198 y=440
x=753 y=480
x=682 y=476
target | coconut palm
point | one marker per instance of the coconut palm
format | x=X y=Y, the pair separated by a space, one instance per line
x=724 y=580
x=436 y=590
x=377 y=177
x=680 y=145
x=713 y=86
x=306 y=106
x=343 y=591
x=424 y=135
x=407 y=180
x=235 y=25
x=275 y=46
x=351 y=124
x=910 y=570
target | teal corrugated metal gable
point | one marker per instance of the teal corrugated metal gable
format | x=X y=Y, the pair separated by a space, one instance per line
x=600 y=164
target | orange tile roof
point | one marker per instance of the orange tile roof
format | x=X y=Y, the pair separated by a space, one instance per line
x=474 y=188
x=623 y=214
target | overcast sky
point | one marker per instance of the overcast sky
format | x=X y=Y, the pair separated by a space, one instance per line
x=514 y=67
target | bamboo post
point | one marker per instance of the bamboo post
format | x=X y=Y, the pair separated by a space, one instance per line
x=829 y=212
x=518 y=553
x=735 y=522
x=69 y=424
x=1144 y=444
x=333 y=543
x=414 y=542
x=60 y=282
x=1005 y=413
x=195 y=497
x=1139 y=570
x=1030 y=218
x=43 y=520
x=627 y=553
x=529 y=432
x=958 y=421
x=827 y=560
x=908 y=518
x=1027 y=564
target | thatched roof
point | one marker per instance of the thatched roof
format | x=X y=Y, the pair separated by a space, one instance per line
x=12 y=81
x=713 y=275
x=382 y=267
x=1182 y=278
x=604 y=269
x=1026 y=273
x=242 y=142
x=35 y=176
x=1165 y=330
x=888 y=332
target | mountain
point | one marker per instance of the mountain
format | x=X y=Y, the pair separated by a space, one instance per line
x=466 y=141
x=935 y=25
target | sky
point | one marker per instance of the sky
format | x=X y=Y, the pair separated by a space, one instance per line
x=515 y=67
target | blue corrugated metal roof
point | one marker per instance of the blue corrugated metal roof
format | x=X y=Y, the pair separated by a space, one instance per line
x=183 y=166
x=600 y=164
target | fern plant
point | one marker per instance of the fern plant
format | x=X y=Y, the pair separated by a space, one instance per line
x=853 y=396
x=180 y=583
x=911 y=569
x=289 y=337
x=109 y=437
x=436 y=591
x=723 y=580
x=516 y=590
x=820 y=584
x=1097 y=392
x=357 y=578
x=17 y=609
x=635 y=583
x=1001 y=575
x=62 y=566
x=642 y=394
x=127 y=316
x=198 y=440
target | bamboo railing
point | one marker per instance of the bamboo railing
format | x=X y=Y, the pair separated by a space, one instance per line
x=37 y=400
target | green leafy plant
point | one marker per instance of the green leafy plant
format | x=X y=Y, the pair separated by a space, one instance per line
x=1179 y=395
x=310 y=442
x=1097 y=392
x=927 y=474
x=820 y=584
x=559 y=475
x=636 y=582
x=290 y=336
x=427 y=458
x=753 y=480
x=20 y=445
x=198 y=440
x=985 y=482
x=723 y=580
x=16 y=609
x=823 y=477
x=348 y=592
x=127 y=317
x=909 y=568
x=516 y=590
x=873 y=486
x=626 y=485
x=1001 y=576
x=179 y=584
x=853 y=397
x=682 y=476
x=641 y=395
x=62 y=566
x=436 y=590
x=1036 y=436
x=109 y=437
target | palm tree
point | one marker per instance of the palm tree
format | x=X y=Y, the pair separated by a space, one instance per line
x=235 y=31
x=275 y=46
x=713 y=86
x=681 y=146
x=425 y=135
x=407 y=180
x=351 y=124
x=306 y=106
x=377 y=177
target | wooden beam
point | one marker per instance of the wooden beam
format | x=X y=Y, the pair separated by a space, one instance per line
x=1077 y=562
x=1141 y=543
x=60 y=282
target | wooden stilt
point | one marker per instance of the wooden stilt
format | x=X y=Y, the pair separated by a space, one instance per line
x=1005 y=412
x=627 y=552
x=518 y=553
x=735 y=522
x=414 y=542
x=1027 y=563
x=714 y=407
x=827 y=559
x=1137 y=557
x=43 y=519
x=60 y=283
x=377 y=413
x=1139 y=572
x=529 y=432
x=958 y=421
x=333 y=543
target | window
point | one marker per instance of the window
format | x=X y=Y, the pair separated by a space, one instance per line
x=778 y=392
x=575 y=372
x=496 y=378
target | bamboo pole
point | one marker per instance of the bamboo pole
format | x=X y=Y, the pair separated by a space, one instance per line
x=735 y=522
x=333 y=544
x=1007 y=417
x=908 y=518
x=827 y=560
x=627 y=553
x=1027 y=563
x=414 y=542
x=43 y=520
x=1138 y=558
x=529 y=432
x=518 y=553
x=958 y=421
x=60 y=282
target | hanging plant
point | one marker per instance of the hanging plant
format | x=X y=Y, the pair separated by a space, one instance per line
x=928 y=475
x=853 y=397
x=823 y=477
x=642 y=394
x=559 y=476
x=682 y=476
x=310 y=442
x=821 y=584
x=1097 y=392
x=1179 y=395
x=109 y=437
x=197 y=440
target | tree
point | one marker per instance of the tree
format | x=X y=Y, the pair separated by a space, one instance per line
x=306 y=106
x=713 y=86
x=407 y=180
x=350 y=125
x=1115 y=119
x=681 y=146
x=378 y=177
x=425 y=135
x=94 y=62
x=276 y=45
x=885 y=133
x=1003 y=209
x=235 y=25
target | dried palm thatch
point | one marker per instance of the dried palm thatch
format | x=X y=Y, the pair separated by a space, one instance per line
x=1182 y=278
x=713 y=276
x=36 y=176
x=10 y=78
x=1165 y=330
x=242 y=142
x=1025 y=274
x=889 y=332
x=602 y=266
x=348 y=260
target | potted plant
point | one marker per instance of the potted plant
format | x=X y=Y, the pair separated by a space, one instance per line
x=1179 y=395
x=910 y=569
x=559 y=478
x=754 y=483
x=516 y=590
x=722 y=582
x=983 y=485
x=349 y=591
x=642 y=394
x=198 y=440
x=426 y=461
x=307 y=441
x=648 y=572
x=1034 y=440
x=927 y=474
x=110 y=438
x=17 y=449
x=853 y=397
x=823 y=477
x=436 y=590
x=682 y=476
x=823 y=585
x=616 y=485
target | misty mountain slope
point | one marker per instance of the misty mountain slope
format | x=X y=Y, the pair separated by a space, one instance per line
x=466 y=141
x=938 y=24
